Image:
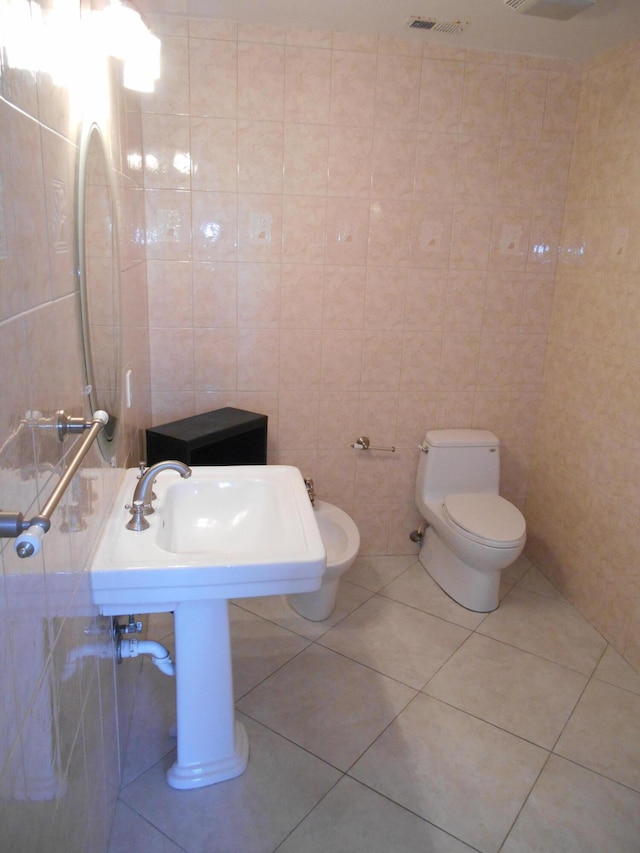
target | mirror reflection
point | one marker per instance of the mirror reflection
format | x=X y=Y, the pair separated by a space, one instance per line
x=99 y=270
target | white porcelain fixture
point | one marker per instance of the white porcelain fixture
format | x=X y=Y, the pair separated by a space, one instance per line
x=473 y=533
x=227 y=531
x=341 y=540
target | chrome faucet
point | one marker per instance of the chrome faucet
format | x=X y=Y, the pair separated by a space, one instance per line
x=143 y=494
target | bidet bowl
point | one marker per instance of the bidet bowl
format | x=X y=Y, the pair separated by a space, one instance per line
x=341 y=539
x=226 y=532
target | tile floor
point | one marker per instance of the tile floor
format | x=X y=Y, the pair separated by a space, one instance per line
x=403 y=723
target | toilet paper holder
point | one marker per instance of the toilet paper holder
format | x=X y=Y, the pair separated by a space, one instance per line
x=363 y=443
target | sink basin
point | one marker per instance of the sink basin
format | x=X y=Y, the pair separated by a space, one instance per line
x=233 y=517
x=226 y=532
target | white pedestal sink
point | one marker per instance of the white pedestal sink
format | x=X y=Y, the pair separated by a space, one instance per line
x=226 y=532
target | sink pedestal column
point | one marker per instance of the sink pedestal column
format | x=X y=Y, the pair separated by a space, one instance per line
x=212 y=746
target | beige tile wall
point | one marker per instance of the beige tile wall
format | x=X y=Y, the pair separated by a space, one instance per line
x=354 y=236
x=583 y=507
x=59 y=712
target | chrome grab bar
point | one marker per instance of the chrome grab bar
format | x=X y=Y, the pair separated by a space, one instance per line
x=28 y=533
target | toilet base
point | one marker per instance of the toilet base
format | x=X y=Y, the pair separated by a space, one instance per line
x=318 y=605
x=474 y=589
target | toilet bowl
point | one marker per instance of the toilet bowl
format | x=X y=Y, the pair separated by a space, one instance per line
x=473 y=533
x=341 y=540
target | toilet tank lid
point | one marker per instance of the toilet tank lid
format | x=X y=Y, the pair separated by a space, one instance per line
x=461 y=438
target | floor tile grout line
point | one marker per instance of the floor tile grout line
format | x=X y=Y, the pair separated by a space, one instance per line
x=598 y=773
x=408 y=810
x=534 y=654
x=294 y=743
x=368 y=666
x=310 y=812
x=577 y=702
x=151 y=824
x=444 y=663
x=563 y=601
x=273 y=672
x=426 y=612
x=525 y=801
x=601 y=680
x=487 y=722
x=161 y=759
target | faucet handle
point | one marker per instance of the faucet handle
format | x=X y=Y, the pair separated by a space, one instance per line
x=137 y=520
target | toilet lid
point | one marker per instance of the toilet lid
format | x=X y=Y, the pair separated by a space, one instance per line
x=487 y=516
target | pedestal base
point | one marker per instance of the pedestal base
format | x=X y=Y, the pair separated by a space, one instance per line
x=215 y=770
x=212 y=747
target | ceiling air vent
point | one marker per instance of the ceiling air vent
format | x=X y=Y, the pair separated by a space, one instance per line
x=561 y=10
x=416 y=23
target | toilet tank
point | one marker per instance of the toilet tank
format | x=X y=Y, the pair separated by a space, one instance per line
x=458 y=461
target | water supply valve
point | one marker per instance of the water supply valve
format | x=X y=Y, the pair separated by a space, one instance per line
x=132 y=627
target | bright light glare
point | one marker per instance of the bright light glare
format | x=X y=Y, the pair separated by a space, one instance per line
x=128 y=39
x=182 y=162
x=22 y=34
x=71 y=47
x=142 y=65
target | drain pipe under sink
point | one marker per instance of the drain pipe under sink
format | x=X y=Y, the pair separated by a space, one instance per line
x=159 y=655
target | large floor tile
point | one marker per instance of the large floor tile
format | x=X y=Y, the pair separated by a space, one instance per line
x=131 y=832
x=614 y=669
x=547 y=627
x=576 y=811
x=258 y=648
x=154 y=715
x=513 y=574
x=395 y=639
x=374 y=573
x=327 y=704
x=254 y=812
x=418 y=589
x=604 y=733
x=355 y=819
x=515 y=690
x=462 y=774
x=535 y=581
x=276 y=609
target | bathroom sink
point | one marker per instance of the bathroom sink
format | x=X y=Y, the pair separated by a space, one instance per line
x=226 y=532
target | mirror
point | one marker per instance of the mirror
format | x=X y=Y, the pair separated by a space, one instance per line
x=99 y=274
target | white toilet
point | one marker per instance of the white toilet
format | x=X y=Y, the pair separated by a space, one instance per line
x=341 y=540
x=472 y=532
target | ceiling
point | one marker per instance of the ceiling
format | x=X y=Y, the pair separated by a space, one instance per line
x=491 y=24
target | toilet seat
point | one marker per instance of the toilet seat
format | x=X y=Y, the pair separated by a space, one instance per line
x=486 y=518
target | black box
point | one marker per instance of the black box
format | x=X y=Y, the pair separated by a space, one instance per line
x=223 y=437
